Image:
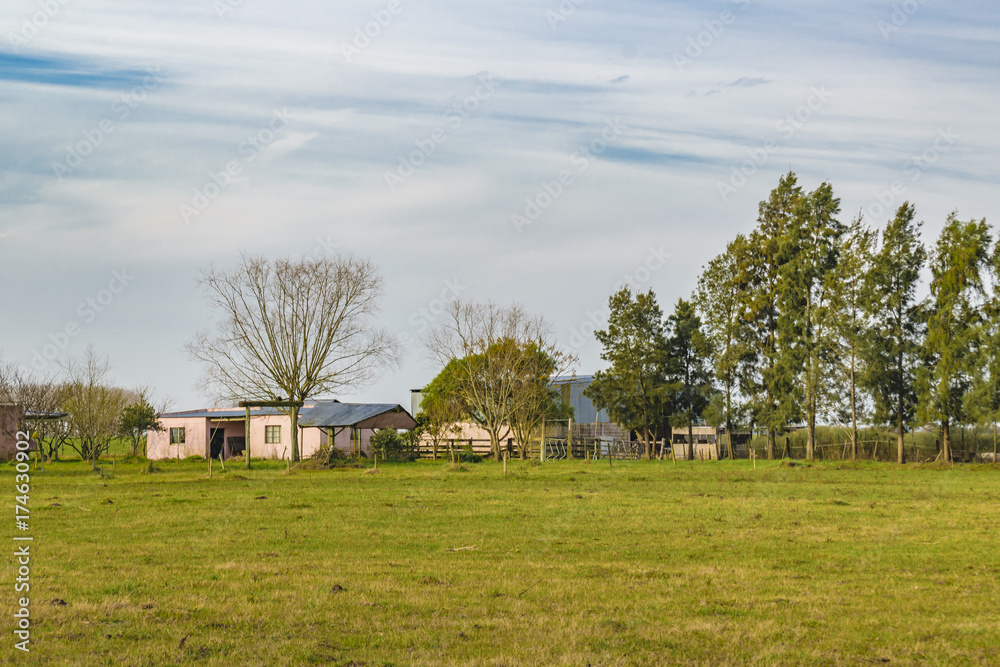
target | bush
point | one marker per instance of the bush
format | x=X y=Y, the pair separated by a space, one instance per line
x=468 y=455
x=388 y=443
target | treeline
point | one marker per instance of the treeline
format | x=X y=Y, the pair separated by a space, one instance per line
x=807 y=319
x=81 y=409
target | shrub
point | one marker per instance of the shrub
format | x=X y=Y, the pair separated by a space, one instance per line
x=388 y=443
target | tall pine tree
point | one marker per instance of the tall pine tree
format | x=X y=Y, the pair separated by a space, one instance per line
x=688 y=354
x=849 y=296
x=719 y=299
x=892 y=354
x=812 y=241
x=954 y=323
x=771 y=382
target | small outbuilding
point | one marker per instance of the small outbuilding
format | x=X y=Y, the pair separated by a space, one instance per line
x=221 y=432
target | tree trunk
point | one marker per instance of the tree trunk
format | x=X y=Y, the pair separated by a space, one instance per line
x=690 y=440
x=854 y=410
x=811 y=434
x=295 y=435
x=770 y=443
x=945 y=440
x=900 y=454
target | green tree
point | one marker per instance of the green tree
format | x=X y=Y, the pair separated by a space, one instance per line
x=137 y=419
x=892 y=354
x=983 y=402
x=441 y=409
x=688 y=354
x=493 y=350
x=634 y=389
x=849 y=298
x=534 y=399
x=719 y=299
x=770 y=384
x=812 y=246
x=954 y=323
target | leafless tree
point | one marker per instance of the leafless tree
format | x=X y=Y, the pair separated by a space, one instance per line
x=36 y=404
x=493 y=350
x=292 y=329
x=93 y=405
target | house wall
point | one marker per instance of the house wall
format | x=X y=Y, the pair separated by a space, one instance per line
x=195 y=439
x=198 y=437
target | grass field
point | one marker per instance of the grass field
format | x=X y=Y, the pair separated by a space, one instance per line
x=566 y=563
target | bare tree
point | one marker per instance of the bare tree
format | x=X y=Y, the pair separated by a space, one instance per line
x=487 y=345
x=292 y=329
x=93 y=405
x=36 y=404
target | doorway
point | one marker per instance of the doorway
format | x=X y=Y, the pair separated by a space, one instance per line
x=218 y=442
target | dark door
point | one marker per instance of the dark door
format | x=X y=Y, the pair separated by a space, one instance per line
x=218 y=442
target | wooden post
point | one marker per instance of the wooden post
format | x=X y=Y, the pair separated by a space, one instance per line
x=569 y=439
x=246 y=439
x=210 y=467
x=505 y=464
x=541 y=441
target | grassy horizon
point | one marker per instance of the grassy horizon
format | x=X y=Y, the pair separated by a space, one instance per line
x=569 y=562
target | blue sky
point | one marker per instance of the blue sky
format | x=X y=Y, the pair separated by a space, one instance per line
x=161 y=96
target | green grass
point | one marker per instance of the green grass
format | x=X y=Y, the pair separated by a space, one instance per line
x=566 y=563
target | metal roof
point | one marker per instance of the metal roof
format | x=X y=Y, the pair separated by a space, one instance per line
x=573 y=379
x=324 y=414
x=346 y=414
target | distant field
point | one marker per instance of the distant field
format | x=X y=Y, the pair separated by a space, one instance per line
x=566 y=563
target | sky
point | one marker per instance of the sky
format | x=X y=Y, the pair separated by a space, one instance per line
x=537 y=152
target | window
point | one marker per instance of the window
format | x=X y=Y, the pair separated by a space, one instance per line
x=272 y=435
x=177 y=436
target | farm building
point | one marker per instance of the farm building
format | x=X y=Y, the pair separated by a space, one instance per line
x=704 y=444
x=222 y=432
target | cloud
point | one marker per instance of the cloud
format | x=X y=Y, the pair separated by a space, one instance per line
x=747 y=82
x=683 y=131
x=64 y=71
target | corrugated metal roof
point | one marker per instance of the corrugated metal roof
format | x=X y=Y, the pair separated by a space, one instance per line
x=324 y=414
x=345 y=414
x=573 y=379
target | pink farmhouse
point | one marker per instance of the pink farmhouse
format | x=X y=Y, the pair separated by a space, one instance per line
x=222 y=431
